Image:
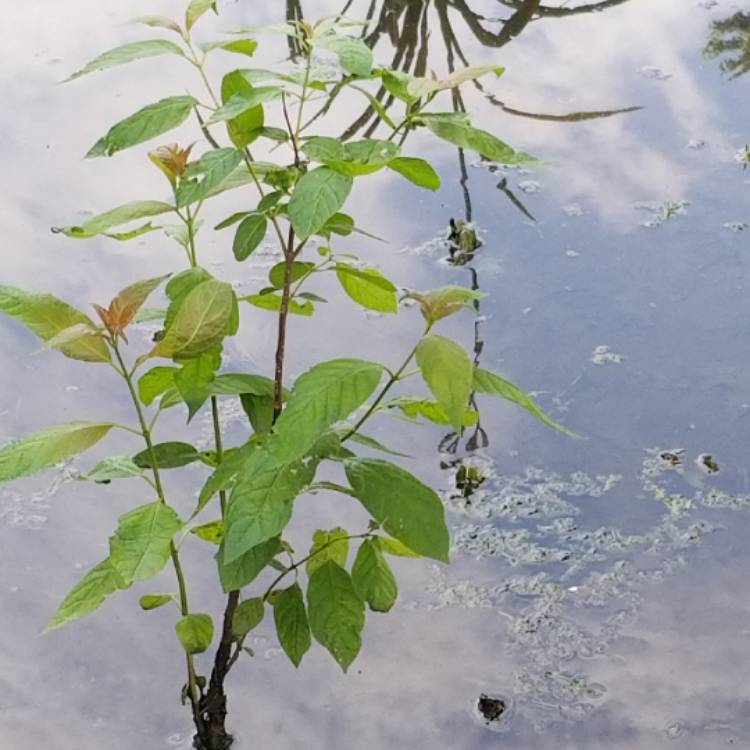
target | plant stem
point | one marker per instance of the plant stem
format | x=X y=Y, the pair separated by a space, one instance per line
x=184 y=606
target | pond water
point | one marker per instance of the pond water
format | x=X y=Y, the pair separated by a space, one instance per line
x=599 y=594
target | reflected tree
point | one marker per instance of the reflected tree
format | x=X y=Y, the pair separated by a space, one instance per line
x=730 y=40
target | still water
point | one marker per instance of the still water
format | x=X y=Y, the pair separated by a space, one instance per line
x=600 y=587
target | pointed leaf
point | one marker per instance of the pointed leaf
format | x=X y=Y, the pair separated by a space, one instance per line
x=154 y=601
x=196 y=9
x=300 y=269
x=407 y=509
x=141 y=545
x=448 y=371
x=239 y=46
x=236 y=384
x=244 y=128
x=115 y=467
x=196 y=632
x=273 y=302
x=45 y=448
x=206 y=174
x=354 y=55
x=193 y=380
x=445 y=300
x=368 y=287
x=250 y=233
x=155 y=382
x=328 y=545
x=292 y=626
x=317 y=196
x=431 y=410
x=245 y=569
x=128 y=53
x=337 y=614
x=47 y=316
x=168 y=456
x=124 y=214
x=129 y=301
x=212 y=532
x=143 y=125
x=159 y=22
x=418 y=171
x=373 y=578
x=247 y=616
x=244 y=100
x=180 y=286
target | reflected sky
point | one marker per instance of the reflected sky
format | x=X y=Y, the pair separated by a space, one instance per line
x=600 y=588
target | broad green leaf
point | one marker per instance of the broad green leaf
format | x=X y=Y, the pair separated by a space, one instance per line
x=373 y=578
x=493 y=385
x=370 y=442
x=47 y=316
x=448 y=371
x=468 y=137
x=239 y=46
x=300 y=268
x=193 y=380
x=328 y=545
x=292 y=626
x=70 y=336
x=243 y=129
x=247 y=616
x=364 y=157
x=223 y=476
x=149 y=314
x=143 y=125
x=407 y=509
x=354 y=55
x=141 y=545
x=397 y=83
x=45 y=448
x=317 y=196
x=394 y=547
x=250 y=233
x=155 y=382
x=341 y=224
x=128 y=53
x=87 y=595
x=469 y=74
x=154 y=601
x=115 y=467
x=168 y=456
x=431 y=410
x=368 y=287
x=180 y=286
x=245 y=569
x=260 y=411
x=337 y=614
x=445 y=300
x=201 y=322
x=322 y=149
x=212 y=532
x=115 y=217
x=261 y=502
x=236 y=384
x=231 y=220
x=159 y=22
x=273 y=302
x=196 y=9
x=204 y=175
x=196 y=632
x=244 y=100
x=129 y=301
x=327 y=393
x=418 y=171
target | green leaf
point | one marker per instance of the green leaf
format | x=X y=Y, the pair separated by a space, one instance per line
x=245 y=569
x=70 y=336
x=250 y=233
x=193 y=380
x=272 y=302
x=196 y=9
x=328 y=545
x=407 y=509
x=201 y=322
x=316 y=198
x=300 y=269
x=337 y=614
x=124 y=307
x=212 y=532
x=469 y=74
x=365 y=157
x=327 y=393
x=87 y=595
x=373 y=578
x=128 y=53
x=340 y=224
x=397 y=83
x=239 y=46
x=448 y=371
x=143 y=125
x=418 y=171
x=291 y=621
x=394 y=547
x=141 y=544
x=368 y=287
x=465 y=136
x=180 y=286
x=223 y=476
x=354 y=55
x=260 y=505
x=446 y=300
x=231 y=220
x=244 y=128
x=159 y=22
x=168 y=456
x=489 y=383
x=47 y=316
x=260 y=411
x=149 y=314
x=236 y=384
x=431 y=410
x=115 y=467
x=115 y=217
x=247 y=616
x=155 y=382
x=196 y=632
x=204 y=175
x=154 y=601
x=322 y=149
x=370 y=442
x=45 y=448
x=245 y=99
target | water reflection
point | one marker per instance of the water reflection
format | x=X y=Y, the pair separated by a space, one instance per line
x=730 y=41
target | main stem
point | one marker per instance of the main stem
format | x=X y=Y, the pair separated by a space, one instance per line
x=184 y=606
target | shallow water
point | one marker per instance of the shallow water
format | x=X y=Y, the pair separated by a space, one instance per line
x=599 y=587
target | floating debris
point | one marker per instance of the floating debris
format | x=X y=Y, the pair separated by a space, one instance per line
x=706 y=462
x=603 y=355
x=491 y=708
x=654 y=73
x=661 y=212
x=695 y=144
x=736 y=226
x=573 y=210
x=529 y=186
